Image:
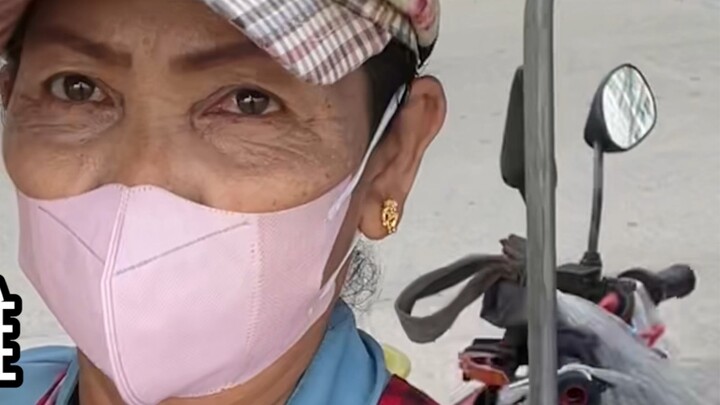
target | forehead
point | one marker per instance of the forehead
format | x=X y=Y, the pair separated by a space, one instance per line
x=138 y=25
x=184 y=38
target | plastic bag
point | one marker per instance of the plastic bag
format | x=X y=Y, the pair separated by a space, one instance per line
x=635 y=373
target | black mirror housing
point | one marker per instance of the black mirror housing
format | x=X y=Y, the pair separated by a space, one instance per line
x=623 y=111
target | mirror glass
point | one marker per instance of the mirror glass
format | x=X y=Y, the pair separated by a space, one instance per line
x=628 y=107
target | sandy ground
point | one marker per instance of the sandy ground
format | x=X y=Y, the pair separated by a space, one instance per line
x=662 y=199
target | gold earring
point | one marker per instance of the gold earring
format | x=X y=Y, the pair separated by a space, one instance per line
x=390 y=216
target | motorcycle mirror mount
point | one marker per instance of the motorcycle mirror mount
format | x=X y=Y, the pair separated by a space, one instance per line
x=622 y=115
x=512 y=157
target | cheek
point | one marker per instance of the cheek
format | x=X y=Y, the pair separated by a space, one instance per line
x=282 y=163
x=33 y=117
x=51 y=152
x=47 y=172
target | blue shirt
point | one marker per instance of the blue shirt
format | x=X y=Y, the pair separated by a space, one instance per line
x=349 y=369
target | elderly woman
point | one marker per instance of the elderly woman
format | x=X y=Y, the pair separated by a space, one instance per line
x=192 y=178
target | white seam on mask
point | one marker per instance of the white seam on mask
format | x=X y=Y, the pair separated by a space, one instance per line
x=382 y=127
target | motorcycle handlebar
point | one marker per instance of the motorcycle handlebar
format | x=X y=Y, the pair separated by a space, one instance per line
x=677 y=281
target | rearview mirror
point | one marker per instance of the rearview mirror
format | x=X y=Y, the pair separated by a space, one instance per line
x=623 y=112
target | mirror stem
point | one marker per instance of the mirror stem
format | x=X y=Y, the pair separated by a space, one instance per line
x=592 y=256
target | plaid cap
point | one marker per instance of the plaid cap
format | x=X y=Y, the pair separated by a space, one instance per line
x=320 y=41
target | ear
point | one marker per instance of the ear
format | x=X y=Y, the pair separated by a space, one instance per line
x=394 y=165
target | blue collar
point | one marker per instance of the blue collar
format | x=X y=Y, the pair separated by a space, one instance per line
x=349 y=367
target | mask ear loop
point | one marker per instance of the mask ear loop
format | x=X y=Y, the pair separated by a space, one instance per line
x=329 y=285
x=393 y=107
x=390 y=112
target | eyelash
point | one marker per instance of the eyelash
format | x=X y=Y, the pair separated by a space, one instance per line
x=50 y=88
x=228 y=104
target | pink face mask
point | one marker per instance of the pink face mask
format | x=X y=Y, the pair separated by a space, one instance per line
x=174 y=299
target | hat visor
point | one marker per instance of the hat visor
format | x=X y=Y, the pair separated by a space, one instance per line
x=319 y=41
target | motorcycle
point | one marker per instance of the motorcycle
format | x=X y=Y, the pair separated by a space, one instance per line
x=607 y=328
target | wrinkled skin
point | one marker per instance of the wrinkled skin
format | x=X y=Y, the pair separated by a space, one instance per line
x=156 y=103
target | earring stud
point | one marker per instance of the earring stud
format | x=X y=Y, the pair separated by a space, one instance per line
x=390 y=216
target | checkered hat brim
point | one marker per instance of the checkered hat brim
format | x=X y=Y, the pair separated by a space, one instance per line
x=320 y=41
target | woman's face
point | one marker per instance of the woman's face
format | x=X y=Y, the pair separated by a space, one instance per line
x=166 y=93
x=169 y=94
x=126 y=92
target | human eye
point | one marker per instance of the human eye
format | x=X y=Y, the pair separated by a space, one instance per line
x=248 y=102
x=76 y=88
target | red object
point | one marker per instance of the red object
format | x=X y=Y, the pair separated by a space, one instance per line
x=50 y=396
x=652 y=335
x=610 y=303
x=483 y=371
x=575 y=395
x=400 y=392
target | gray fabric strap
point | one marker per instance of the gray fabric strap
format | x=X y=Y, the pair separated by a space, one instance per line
x=482 y=270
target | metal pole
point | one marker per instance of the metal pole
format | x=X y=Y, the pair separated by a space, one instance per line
x=540 y=191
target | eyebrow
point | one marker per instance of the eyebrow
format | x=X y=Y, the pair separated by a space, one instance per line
x=221 y=55
x=97 y=50
x=198 y=60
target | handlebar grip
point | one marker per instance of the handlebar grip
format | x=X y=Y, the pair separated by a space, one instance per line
x=678 y=281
